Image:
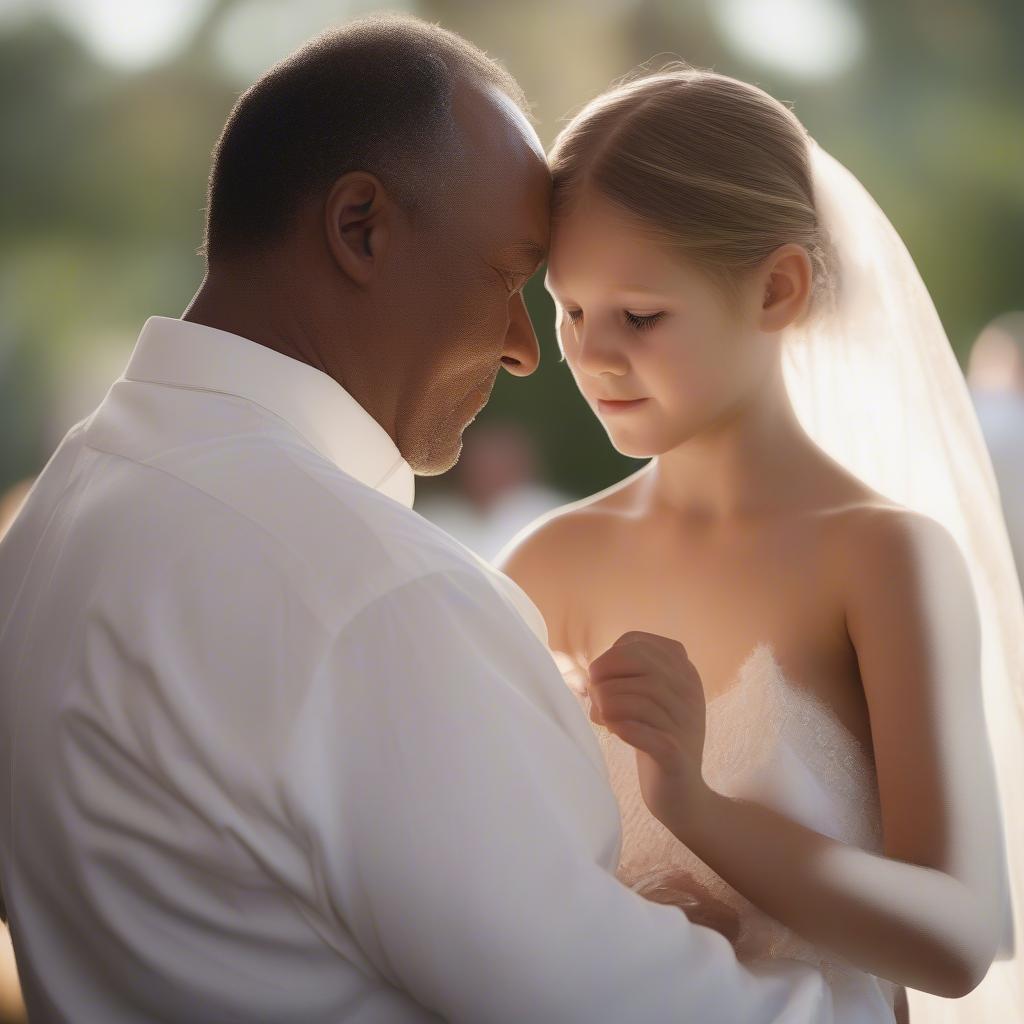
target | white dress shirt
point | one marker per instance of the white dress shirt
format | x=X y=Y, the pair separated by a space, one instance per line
x=276 y=748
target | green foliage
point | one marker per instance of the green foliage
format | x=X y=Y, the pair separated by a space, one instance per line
x=103 y=177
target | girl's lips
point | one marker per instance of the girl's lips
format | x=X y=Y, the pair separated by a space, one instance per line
x=608 y=406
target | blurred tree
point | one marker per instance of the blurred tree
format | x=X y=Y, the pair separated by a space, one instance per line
x=102 y=182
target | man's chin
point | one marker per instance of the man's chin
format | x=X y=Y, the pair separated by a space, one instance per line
x=436 y=458
x=440 y=450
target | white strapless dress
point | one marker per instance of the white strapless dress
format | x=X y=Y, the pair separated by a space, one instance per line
x=769 y=742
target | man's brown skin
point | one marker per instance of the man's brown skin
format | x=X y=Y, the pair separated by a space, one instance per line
x=414 y=317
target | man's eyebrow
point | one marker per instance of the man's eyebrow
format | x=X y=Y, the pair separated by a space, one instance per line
x=528 y=251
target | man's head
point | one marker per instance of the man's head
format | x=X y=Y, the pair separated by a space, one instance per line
x=381 y=197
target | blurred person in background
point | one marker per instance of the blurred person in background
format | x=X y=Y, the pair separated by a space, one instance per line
x=12 y=1006
x=497 y=489
x=995 y=374
x=11 y=501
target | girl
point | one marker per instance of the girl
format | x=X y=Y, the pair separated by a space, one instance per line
x=732 y=304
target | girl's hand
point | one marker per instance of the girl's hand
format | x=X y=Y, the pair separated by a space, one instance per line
x=645 y=690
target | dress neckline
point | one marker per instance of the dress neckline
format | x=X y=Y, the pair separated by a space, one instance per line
x=762 y=654
x=764 y=651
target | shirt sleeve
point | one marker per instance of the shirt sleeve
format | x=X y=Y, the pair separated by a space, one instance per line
x=467 y=840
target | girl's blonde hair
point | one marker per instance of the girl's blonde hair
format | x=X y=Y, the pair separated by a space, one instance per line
x=712 y=166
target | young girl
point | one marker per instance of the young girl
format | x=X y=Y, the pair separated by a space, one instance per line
x=852 y=813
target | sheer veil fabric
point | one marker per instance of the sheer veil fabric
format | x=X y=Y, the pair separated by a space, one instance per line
x=876 y=384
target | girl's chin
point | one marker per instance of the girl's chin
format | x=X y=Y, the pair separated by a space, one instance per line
x=632 y=447
x=648 y=440
x=644 y=444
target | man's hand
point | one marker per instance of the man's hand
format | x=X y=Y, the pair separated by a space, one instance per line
x=645 y=690
x=679 y=889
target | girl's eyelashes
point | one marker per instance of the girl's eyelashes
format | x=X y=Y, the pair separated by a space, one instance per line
x=642 y=322
x=635 y=320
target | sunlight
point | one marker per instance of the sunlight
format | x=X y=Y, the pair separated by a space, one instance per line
x=254 y=34
x=126 y=34
x=802 y=38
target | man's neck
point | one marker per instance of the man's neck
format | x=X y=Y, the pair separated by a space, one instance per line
x=241 y=303
x=249 y=303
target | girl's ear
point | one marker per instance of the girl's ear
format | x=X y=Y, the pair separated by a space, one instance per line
x=787 y=287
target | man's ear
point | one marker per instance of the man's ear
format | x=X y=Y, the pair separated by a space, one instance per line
x=357 y=219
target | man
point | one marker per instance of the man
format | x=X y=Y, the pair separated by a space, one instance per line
x=274 y=747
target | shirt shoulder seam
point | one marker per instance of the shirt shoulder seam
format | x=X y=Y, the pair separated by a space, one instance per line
x=397 y=582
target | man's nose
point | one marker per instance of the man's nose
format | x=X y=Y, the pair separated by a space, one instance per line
x=521 y=354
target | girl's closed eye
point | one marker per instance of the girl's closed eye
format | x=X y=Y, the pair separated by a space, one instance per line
x=638 y=321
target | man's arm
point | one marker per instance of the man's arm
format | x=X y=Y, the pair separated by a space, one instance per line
x=467 y=835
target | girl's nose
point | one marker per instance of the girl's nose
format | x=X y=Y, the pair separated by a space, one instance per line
x=597 y=352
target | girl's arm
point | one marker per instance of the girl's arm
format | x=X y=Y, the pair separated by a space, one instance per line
x=927 y=913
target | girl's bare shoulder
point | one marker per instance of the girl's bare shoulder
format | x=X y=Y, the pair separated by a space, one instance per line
x=876 y=543
x=552 y=556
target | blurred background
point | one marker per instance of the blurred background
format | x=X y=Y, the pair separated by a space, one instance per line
x=109 y=110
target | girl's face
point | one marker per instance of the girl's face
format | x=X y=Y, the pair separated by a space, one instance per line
x=636 y=322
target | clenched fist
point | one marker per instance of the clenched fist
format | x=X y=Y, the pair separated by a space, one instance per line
x=645 y=690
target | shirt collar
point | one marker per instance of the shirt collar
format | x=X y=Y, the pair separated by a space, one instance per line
x=185 y=354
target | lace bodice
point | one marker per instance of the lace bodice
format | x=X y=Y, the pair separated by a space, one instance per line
x=767 y=741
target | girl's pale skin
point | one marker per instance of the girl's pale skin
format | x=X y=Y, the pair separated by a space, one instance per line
x=741 y=530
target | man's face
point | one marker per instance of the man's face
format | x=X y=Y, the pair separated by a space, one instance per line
x=456 y=314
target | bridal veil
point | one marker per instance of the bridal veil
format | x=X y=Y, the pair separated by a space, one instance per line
x=876 y=384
